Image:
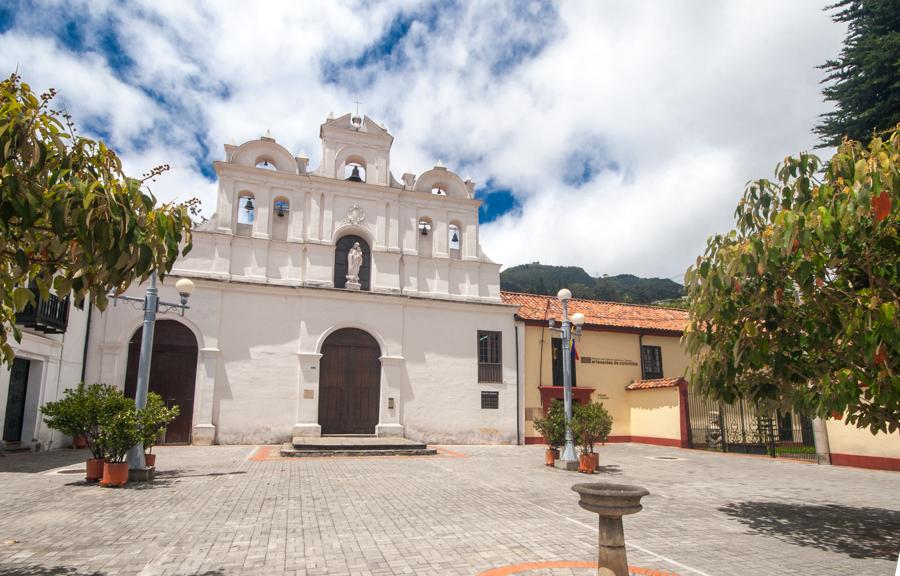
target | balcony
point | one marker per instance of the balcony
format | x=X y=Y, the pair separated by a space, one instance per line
x=50 y=315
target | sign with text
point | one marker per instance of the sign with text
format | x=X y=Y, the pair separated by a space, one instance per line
x=609 y=361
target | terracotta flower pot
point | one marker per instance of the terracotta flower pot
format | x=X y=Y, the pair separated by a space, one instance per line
x=551 y=456
x=595 y=460
x=114 y=474
x=79 y=442
x=94 y=469
x=584 y=464
x=150 y=459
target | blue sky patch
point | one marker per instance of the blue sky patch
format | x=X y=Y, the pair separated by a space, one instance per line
x=7 y=17
x=495 y=202
x=512 y=47
x=389 y=52
x=589 y=158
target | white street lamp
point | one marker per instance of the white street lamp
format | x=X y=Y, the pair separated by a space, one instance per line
x=568 y=456
x=151 y=305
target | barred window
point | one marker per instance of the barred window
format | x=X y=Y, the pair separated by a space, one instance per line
x=490 y=400
x=490 y=366
x=651 y=362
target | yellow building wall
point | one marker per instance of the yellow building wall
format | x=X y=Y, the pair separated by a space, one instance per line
x=655 y=413
x=844 y=439
x=621 y=365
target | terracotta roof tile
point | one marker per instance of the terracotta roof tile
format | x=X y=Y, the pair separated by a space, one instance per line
x=655 y=383
x=600 y=313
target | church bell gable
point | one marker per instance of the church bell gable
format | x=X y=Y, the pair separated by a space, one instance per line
x=355 y=142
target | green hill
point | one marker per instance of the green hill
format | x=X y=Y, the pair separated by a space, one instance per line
x=538 y=278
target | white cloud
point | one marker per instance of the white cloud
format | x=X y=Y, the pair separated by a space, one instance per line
x=676 y=104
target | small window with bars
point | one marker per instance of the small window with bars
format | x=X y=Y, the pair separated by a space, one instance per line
x=651 y=362
x=490 y=366
x=490 y=400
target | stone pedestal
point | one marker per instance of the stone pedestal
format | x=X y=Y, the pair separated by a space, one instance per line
x=389 y=431
x=306 y=430
x=353 y=285
x=611 y=502
x=142 y=474
x=203 y=435
x=569 y=465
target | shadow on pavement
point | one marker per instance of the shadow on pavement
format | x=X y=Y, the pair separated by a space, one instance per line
x=37 y=462
x=69 y=571
x=856 y=532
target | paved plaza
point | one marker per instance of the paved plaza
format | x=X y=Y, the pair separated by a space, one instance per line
x=469 y=511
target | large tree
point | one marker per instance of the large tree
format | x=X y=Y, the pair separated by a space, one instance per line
x=798 y=306
x=864 y=81
x=71 y=221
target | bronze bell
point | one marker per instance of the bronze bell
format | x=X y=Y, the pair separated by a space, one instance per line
x=354 y=176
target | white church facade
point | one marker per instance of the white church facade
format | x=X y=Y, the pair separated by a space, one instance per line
x=283 y=338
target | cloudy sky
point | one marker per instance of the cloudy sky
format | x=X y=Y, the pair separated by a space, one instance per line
x=615 y=136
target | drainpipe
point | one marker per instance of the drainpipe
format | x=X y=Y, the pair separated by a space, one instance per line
x=87 y=335
x=641 y=353
x=518 y=389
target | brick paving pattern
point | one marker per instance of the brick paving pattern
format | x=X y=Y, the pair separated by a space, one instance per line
x=217 y=510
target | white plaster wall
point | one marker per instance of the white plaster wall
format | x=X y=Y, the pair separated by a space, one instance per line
x=56 y=362
x=300 y=250
x=264 y=299
x=263 y=343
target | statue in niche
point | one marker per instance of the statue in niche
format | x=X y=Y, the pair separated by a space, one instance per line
x=354 y=262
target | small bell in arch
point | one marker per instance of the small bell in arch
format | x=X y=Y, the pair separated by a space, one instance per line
x=249 y=205
x=455 y=238
x=354 y=176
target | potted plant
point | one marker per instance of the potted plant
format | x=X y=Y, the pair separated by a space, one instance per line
x=152 y=420
x=553 y=429
x=79 y=413
x=591 y=423
x=119 y=431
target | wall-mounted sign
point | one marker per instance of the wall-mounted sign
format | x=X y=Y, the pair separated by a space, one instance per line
x=609 y=361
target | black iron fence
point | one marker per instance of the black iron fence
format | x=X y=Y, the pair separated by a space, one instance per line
x=743 y=428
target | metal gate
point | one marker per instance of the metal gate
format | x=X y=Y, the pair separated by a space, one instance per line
x=742 y=428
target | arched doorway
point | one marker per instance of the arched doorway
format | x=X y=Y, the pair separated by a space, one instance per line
x=349 y=383
x=173 y=371
x=340 y=261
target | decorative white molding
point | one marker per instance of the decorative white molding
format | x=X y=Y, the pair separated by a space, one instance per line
x=392 y=360
x=355 y=216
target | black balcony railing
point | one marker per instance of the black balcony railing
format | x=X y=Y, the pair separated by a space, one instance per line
x=49 y=315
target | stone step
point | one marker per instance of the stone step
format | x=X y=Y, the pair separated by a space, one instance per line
x=16 y=447
x=331 y=443
x=289 y=450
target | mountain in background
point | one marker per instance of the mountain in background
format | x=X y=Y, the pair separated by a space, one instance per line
x=537 y=278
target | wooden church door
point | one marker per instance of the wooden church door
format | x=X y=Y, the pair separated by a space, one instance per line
x=349 y=383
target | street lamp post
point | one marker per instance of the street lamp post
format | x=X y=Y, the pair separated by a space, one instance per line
x=568 y=456
x=151 y=305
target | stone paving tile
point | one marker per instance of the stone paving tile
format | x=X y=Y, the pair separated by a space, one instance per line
x=214 y=511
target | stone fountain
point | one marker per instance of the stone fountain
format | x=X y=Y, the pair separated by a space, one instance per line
x=611 y=502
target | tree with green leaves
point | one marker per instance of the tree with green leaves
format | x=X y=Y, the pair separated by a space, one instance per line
x=864 y=81
x=70 y=220
x=82 y=410
x=553 y=426
x=591 y=423
x=798 y=306
x=153 y=420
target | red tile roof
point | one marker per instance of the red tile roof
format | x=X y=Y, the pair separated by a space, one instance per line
x=600 y=313
x=656 y=383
